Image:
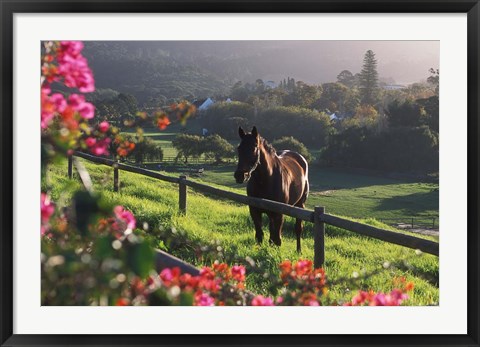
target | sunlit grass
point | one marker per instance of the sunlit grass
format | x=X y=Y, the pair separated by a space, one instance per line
x=352 y=261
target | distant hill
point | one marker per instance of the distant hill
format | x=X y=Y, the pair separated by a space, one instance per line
x=190 y=69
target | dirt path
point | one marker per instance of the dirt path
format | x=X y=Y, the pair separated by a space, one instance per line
x=407 y=227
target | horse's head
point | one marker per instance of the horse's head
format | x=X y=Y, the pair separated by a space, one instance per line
x=248 y=154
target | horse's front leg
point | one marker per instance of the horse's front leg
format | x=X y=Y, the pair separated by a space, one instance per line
x=256 y=215
x=276 y=223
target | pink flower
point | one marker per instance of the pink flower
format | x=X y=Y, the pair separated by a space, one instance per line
x=166 y=275
x=77 y=74
x=103 y=126
x=260 y=300
x=238 y=273
x=90 y=141
x=86 y=110
x=78 y=104
x=360 y=298
x=394 y=298
x=379 y=299
x=47 y=208
x=72 y=48
x=74 y=67
x=125 y=216
x=203 y=299
x=76 y=101
x=101 y=147
x=50 y=105
x=59 y=102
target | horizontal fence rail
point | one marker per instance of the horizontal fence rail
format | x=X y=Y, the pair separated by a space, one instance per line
x=318 y=217
x=163 y=260
x=428 y=222
x=426 y=246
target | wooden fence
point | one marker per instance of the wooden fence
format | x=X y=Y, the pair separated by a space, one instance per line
x=318 y=216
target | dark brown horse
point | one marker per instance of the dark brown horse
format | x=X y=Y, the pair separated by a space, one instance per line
x=281 y=177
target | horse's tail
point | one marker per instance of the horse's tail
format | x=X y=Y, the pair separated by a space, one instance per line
x=304 y=164
x=306 y=189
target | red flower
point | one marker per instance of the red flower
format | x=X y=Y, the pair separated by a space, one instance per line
x=163 y=122
x=122 y=302
x=238 y=273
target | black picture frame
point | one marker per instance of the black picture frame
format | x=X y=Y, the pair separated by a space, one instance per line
x=10 y=7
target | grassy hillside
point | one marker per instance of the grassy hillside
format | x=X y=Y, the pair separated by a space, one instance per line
x=352 y=261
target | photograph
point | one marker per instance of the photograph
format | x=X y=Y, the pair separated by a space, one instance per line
x=240 y=172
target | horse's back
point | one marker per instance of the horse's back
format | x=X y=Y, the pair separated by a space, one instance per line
x=297 y=157
x=298 y=166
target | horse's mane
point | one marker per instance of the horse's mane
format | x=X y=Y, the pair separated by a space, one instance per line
x=268 y=147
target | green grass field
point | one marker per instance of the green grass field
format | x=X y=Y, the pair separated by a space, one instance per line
x=352 y=262
x=354 y=195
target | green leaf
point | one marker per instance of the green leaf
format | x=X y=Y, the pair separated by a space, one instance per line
x=140 y=259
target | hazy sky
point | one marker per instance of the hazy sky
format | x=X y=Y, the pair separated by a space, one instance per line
x=315 y=61
x=405 y=61
x=321 y=61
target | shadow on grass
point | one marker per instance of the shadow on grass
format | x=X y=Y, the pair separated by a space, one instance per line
x=411 y=204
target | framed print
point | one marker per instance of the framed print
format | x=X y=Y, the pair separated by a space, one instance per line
x=235 y=155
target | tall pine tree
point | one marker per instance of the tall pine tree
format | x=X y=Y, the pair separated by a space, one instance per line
x=368 y=83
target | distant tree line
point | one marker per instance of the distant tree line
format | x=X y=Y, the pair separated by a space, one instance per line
x=355 y=121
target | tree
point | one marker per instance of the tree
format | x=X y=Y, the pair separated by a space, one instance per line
x=259 y=86
x=369 y=79
x=217 y=147
x=430 y=112
x=309 y=126
x=304 y=95
x=434 y=79
x=224 y=118
x=408 y=113
x=346 y=78
x=292 y=144
x=147 y=150
x=188 y=146
x=333 y=97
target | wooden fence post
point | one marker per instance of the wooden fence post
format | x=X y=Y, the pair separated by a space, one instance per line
x=70 y=166
x=182 y=194
x=115 y=178
x=319 y=237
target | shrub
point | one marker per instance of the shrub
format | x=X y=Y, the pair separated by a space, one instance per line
x=218 y=148
x=147 y=150
x=213 y=146
x=403 y=149
x=310 y=127
x=224 y=118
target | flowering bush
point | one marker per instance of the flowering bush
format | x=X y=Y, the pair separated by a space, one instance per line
x=67 y=121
